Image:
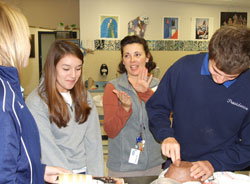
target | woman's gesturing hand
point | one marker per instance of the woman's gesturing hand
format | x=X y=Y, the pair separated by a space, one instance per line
x=143 y=81
x=124 y=98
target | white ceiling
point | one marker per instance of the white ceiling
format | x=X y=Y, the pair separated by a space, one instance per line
x=233 y=3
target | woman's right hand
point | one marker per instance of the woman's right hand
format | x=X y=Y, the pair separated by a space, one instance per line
x=171 y=149
x=124 y=98
x=142 y=83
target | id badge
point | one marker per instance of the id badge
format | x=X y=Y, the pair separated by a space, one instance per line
x=134 y=156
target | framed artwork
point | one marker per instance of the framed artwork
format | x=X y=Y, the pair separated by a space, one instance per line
x=170 y=27
x=233 y=18
x=202 y=28
x=109 y=27
x=138 y=26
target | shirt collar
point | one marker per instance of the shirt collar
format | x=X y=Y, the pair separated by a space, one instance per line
x=205 y=71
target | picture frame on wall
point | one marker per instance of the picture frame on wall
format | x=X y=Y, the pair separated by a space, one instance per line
x=138 y=26
x=109 y=26
x=202 y=28
x=233 y=18
x=170 y=27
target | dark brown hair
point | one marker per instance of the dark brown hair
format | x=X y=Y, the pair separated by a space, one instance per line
x=48 y=92
x=150 y=65
x=229 y=47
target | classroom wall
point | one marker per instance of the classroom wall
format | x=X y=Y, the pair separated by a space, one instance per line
x=128 y=10
x=92 y=62
x=47 y=13
x=30 y=74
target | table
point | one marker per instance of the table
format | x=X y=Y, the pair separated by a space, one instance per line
x=149 y=179
x=140 y=180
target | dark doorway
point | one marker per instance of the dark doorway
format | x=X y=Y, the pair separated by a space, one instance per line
x=45 y=39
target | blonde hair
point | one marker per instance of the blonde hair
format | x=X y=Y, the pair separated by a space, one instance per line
x=14 y=37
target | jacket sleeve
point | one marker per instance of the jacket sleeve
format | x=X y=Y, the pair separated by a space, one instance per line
x=51 y=153
x=160 y=106
x=93 y=143
x=115 y=117
x=145 y=96
x=10 y=145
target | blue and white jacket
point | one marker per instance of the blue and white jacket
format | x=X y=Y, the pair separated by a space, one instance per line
x=19 y=138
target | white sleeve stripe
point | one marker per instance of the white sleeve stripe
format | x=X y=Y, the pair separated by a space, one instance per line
x=4 y=94
x=27 y=154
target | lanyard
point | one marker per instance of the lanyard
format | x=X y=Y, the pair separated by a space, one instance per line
x=140 y=142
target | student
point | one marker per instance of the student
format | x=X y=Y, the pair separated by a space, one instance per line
x=125 y=117
x=209 y=96
x=67 y=119
x=19 y=138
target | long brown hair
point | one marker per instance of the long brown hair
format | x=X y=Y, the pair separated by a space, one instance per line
x=58 y=109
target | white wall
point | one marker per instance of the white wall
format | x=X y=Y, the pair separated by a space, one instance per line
x=128 y=10
x=155 y=10
x=30 y=74
x=48 y=13
x=90 y=10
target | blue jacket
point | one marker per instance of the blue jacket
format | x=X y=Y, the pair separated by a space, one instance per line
x=210 y=121
x=19 y=138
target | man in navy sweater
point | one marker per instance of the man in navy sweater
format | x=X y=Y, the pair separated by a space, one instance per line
x=209 y=95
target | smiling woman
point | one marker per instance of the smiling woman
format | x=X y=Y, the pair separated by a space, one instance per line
x=68 y=71
x=67 y=119
x=132 y=149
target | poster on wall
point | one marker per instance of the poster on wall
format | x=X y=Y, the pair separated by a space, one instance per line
x=138 y=26
x=233 y=18
x=202 y=28
x=170 y=27
x=109 y=27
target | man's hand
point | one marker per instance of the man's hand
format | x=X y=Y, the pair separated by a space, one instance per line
x=202 y=169
x=171 y=148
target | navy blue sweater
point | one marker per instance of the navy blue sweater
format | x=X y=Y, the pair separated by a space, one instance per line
x=210 y=121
